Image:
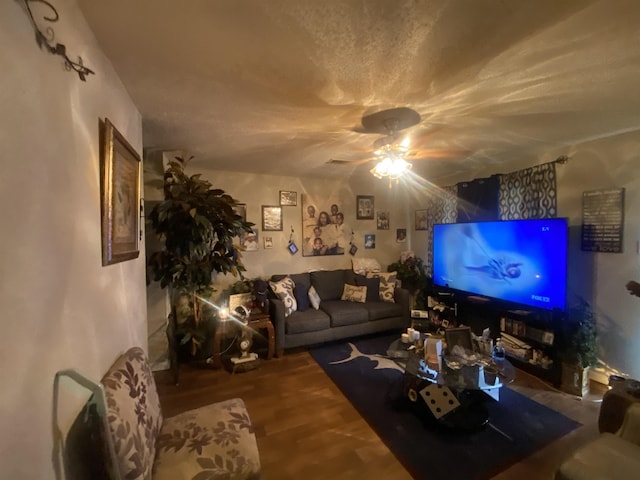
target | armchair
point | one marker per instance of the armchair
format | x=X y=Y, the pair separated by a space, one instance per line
x=612 y=455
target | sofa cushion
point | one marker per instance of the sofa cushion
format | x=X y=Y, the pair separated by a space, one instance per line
x=309 y=321
x=301 y=290
x=328 y=283
x=379 y=310
x=133 y=413
x=387 y=285
x=214 y=441
x=284 y=290
x=345 y=313
x=314 y=298
x=353 y=293
x=373 y=287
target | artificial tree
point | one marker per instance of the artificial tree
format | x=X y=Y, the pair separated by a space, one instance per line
x=412 y=272
x=198 y=225
x=578 y=347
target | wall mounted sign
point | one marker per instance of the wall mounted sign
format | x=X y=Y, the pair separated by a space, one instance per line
x=603 y=220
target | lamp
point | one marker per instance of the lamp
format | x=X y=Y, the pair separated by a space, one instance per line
x=392 y=163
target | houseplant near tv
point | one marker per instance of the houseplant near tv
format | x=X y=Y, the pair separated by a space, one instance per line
x=412 y=272
x=578 y=348
x=198 y=225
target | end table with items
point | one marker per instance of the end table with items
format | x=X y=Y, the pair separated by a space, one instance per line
x=256 y=322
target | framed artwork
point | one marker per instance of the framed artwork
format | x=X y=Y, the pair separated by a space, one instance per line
x=401 y=235
x=382 y=220
x=421 y=220
x=324 y=229
x=293 y=249
x=364 y=205
x=239 y=299
x=271 y=218
x=120 y=167
x=249 y=241
x=369 y=241
x=241 y=209
x=289 y=199
x=458 y=337
x=268 y=242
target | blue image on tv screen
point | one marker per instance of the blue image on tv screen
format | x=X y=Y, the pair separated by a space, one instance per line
x=521 y=261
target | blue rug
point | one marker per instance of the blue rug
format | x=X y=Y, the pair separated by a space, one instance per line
x=425 y=448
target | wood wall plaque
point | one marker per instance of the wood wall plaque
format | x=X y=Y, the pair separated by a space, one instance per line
x=603 y=220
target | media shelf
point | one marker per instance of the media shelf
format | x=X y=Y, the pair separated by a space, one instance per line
x=530 y=336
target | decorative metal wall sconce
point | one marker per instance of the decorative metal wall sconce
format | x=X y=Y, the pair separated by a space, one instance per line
x=46 y=41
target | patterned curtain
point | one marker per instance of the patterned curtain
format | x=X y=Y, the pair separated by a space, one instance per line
x=529 y=193
x=442 y=209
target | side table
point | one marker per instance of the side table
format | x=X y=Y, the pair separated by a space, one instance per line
x=256 y=321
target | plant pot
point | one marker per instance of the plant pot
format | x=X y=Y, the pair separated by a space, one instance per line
x=575 y=379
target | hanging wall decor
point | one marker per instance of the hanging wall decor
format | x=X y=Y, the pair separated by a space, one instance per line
x=46 y=40
x=120 y=171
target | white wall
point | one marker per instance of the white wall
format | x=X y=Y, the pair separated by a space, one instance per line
x=60 y=307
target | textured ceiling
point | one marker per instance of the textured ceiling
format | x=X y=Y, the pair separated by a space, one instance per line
x=281 y=86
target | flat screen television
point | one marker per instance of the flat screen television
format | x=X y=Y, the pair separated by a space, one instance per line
x=519 y=261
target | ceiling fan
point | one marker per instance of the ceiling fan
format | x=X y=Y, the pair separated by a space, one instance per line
x=392 y=149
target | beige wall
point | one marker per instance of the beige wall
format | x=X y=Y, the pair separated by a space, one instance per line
x=60 y=307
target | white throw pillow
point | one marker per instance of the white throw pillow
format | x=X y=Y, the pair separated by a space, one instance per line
x=314 y=298
x=284 y=290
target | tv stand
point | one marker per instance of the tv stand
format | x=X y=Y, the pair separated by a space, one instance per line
x=529 y=335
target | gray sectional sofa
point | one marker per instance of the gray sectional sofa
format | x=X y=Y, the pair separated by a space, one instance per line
x=335 y=318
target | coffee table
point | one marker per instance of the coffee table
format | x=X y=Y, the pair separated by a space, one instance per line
x=454 y=393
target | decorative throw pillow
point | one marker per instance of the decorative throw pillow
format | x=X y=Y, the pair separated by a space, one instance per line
x=284 y=290
x=362 y=266
x=387 y=284
x=314 y=298
x=351 y=293
x=373 y=287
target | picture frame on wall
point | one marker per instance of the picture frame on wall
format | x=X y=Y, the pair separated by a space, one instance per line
x=120 y=168
x=369 y=241
x=421 y=222
x=401 y=235
x=268 y=242
x=249 y=241
x=382 y=220
x=271 y=218
x=288 y=199
x=241 y=209
x=365 y=207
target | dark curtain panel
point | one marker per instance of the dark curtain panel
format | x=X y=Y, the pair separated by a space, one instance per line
x=478 y=200
x=441 y=209
x=529 y=193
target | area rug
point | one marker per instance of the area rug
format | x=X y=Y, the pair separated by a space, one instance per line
x=518 y=427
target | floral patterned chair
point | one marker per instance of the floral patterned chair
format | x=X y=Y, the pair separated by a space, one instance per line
x=213 y=442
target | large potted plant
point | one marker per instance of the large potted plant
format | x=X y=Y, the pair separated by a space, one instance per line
x=412 y=272
x=578 y=348
x=198 y=225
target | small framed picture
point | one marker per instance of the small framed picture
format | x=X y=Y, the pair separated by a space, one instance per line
x=353 y=249
x=293 y=249
x=382 y=220
x=421 y=220
x=289 y=199
x=249 y=241
x=401 y=235
x=365 y=207
x=268 y=242
x=369 y=241
x=271 y=218
x=241 y=209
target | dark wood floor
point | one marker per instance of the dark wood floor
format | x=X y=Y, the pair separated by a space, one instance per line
x=306 y=429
